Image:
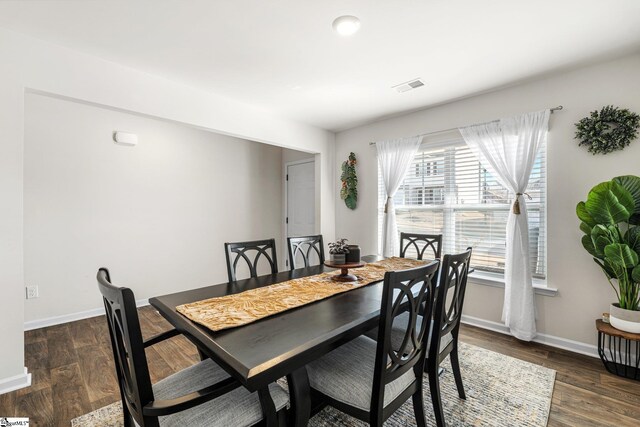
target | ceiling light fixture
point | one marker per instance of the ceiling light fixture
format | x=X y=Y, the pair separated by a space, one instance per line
x=346 y=25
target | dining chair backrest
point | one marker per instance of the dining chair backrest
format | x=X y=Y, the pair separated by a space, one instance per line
x=407 y=292
x=302 y=249
x=251 y=252
x=421 y=242
x=128 y=347
x=450 y=297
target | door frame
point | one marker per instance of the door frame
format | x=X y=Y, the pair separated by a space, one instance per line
x=285 y=225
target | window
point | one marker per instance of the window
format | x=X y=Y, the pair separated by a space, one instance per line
x=450 y=193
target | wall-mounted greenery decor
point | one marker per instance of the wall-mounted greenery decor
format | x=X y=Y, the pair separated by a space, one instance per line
x=349 y=190
x=607 y=130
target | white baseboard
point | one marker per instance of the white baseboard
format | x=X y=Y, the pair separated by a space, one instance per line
x=16 y=382
x=550 y=340
x=56 y=320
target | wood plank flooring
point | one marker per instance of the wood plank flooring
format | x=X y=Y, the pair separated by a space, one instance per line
x=73 y=373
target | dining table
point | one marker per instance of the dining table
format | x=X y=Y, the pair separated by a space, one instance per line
x=259 y=353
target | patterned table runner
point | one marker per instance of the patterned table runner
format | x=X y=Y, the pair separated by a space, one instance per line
x=246 y=307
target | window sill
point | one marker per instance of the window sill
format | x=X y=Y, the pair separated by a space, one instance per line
x=497 y=281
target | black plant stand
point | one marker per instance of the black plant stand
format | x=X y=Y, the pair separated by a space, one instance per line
x=619 y=350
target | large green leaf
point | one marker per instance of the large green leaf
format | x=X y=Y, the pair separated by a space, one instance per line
x=601 y=231
x=600 y=243
x=602 y=237
x=589 y=246
x=616 y=271
x=636 y=274
x=612 y=232
x=585 y=228
x=621 y=255
x=584 y=216
x=631 y=183
x=606 y=269
x=632 y=238
x=609 y=203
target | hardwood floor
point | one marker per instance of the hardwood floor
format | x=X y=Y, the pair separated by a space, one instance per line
x=73 y=373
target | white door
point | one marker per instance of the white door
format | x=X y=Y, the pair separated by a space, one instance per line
x=301 y=199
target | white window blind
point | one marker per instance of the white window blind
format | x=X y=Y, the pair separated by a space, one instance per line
x=448 y=192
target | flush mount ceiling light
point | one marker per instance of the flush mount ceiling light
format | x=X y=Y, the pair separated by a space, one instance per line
x=346 y=25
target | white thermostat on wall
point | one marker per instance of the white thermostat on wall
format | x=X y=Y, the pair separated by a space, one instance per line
x=125 y=138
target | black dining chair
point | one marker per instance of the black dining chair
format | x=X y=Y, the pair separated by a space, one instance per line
x=200 y=395
x=370 y=380
x=301 y=249
x=446 y=324
x=421 y=242
x=250 y=252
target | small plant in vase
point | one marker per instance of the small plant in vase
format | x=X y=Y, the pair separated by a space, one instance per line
x=338 y=251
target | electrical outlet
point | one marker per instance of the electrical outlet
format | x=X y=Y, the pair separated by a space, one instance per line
x=32 y=292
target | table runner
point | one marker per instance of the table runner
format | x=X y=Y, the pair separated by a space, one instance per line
x=234 y=310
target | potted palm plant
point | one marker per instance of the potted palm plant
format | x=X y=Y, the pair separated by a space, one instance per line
x=611 y=222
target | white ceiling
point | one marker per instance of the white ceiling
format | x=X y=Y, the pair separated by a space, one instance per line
x=283 y=55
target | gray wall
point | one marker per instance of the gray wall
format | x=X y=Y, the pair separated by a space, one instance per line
x=156 y=214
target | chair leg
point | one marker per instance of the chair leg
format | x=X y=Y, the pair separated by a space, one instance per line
x=455 y=366
x=375 y=418
x=128 y=419
x=282 y=417
x=418 y=408
x=434 y=387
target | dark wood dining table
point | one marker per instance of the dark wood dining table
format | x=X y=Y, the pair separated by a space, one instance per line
x=259 y=353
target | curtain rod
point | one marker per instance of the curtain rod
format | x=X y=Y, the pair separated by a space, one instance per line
x=558 y=108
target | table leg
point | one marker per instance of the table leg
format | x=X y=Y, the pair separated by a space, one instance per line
x=268 y=407
x=300 y=395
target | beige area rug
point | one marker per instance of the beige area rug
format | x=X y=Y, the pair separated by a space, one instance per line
x=501 y=391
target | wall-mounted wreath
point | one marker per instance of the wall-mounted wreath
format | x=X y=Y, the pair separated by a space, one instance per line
x=349 y=190
x=607 y=130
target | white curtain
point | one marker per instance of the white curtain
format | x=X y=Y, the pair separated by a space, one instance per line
x=507 y=148
x=394 y=157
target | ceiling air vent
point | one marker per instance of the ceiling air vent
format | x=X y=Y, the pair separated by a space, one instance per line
x=407 y=86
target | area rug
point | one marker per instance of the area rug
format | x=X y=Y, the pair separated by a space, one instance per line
x=501 y=391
